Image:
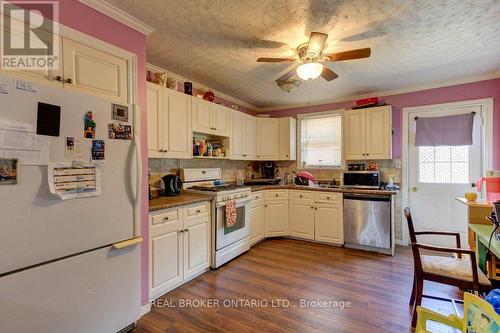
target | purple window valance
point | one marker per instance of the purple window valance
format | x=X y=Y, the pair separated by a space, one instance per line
x=445 y=131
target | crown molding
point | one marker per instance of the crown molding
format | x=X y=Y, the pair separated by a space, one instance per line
x=197 y=85
x=383 y=93
x=119 y=15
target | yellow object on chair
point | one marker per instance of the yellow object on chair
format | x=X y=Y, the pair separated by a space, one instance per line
x=479 y=317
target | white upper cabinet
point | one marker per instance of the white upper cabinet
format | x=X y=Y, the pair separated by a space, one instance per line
x=94 y=71
x=155 y=115
x=243 y=136
x=368 y=133
x=379 y=132
x=267 y=138
x=251 y=137
x=354 y=134
x=93 y=68
x=287 y=145
x=202 y=115
x=177 y=132
x=210 y=118
x=169 y=123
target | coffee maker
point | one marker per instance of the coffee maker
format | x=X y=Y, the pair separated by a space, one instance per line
x=268 y=169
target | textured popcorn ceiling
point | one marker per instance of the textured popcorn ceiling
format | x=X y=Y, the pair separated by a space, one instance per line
x=418 y=42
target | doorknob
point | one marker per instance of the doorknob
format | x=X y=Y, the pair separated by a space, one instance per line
x=414 y=189
x=473 y=184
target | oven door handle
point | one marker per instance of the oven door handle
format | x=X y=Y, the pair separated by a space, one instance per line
x=238 y=202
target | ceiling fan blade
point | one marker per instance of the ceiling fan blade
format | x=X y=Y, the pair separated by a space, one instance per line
x=275 y=60
x=316 y=43
x=328 y=74
x=349 y=55
x=286 y=76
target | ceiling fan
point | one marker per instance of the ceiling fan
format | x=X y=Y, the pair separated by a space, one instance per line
x=311 y=59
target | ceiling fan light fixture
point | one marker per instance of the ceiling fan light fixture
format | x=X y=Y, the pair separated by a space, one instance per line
x=310 y=70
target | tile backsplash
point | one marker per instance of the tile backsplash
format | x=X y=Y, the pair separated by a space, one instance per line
x=160 y=167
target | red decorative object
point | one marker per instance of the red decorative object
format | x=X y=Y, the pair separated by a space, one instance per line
x=367 y=101
x=209 y=96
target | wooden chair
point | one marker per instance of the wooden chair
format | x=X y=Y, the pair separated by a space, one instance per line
x=479 y=316
x=455 y=271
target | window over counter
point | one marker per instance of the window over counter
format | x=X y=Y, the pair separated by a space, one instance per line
x=320 y=140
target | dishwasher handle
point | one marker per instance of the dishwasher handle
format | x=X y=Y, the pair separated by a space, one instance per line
x=367 y=197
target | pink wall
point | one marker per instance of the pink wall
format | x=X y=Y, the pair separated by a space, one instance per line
x=461 y=92
x=78 y=16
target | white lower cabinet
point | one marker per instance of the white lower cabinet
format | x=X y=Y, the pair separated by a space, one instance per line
x=328 y=223
x=310 y=215
x=257 y=218
x=179 y=246
x=276 y=211
x=302 y=219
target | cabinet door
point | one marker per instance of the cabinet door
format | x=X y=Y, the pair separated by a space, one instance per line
x=221 y=119
x=302 y=219
x=257 y=221
x=329 y=226
x=177 y=129
x=354 y=134
x=202 y=116
x=379 y=132
x=238 y=136
x=196 y=245
x=95 y=72
x=287 y=139
x=251 y=137
x=165 y=248
x=277 y=218
x=267 y=139
x=155 y=117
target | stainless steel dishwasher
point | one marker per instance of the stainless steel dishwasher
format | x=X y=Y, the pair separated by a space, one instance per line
x=367 y=222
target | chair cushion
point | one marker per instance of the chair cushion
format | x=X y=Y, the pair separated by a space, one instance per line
x=452 y=267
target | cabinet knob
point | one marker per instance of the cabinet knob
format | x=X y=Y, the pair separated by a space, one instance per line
x=327 y=198
x=186 y=230
x=181 y=231
x=312 y=207
x=315 y=208
x=277 y=195
x=165 y=218
x=59 y=78
x=301 y=195
x=198 y=211
x=69 y=81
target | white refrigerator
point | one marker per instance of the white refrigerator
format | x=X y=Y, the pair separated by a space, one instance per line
x=66 y=265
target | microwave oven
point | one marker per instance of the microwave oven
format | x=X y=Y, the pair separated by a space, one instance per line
x=362 y=179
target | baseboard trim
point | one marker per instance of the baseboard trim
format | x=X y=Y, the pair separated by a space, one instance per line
x=145 y=309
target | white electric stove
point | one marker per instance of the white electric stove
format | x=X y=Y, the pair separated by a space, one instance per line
x=227 y=242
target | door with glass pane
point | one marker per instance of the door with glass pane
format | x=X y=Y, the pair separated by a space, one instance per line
x=438 y=175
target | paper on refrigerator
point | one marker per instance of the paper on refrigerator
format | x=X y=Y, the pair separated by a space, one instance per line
x=68 y=181
x=19 y=140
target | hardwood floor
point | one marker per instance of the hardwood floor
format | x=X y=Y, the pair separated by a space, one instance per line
x=284 y=270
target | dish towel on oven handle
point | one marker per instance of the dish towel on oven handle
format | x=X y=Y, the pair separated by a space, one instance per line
x=230 y=213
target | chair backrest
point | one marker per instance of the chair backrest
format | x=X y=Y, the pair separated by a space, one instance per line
x=479 y=315
x=413 y=240
x=411 y=229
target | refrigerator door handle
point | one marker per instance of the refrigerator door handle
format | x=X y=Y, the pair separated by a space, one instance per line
x=136 y=142
x=128 y=243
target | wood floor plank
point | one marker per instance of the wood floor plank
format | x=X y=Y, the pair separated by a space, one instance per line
x=292 y=271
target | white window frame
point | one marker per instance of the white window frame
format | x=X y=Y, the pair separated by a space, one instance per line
x=300 y=117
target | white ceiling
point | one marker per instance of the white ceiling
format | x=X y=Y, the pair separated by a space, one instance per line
x=419 y=42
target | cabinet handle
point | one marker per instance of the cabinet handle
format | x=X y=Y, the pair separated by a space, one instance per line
x=265 y=206
x=301 y=195
x=198 y=211
x=312 y=207
x=59 y=78
x=181 y=231
x=185 y=230
x=315 y=208
x=165 y=218
x=327 y=198
x=277 y=195
x=69 y=81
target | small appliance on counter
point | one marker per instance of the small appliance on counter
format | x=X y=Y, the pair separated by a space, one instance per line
x=362 y=179
x=172 y=184
x=268 y=169
x=303 y=178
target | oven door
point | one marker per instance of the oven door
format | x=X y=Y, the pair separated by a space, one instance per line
x=228 y=235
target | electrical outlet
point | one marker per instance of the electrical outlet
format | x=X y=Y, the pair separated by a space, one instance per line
x=398 y=164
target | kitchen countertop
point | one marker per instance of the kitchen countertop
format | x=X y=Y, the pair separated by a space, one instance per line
x=482 y=203
x=256 y=188
x=180 y=200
